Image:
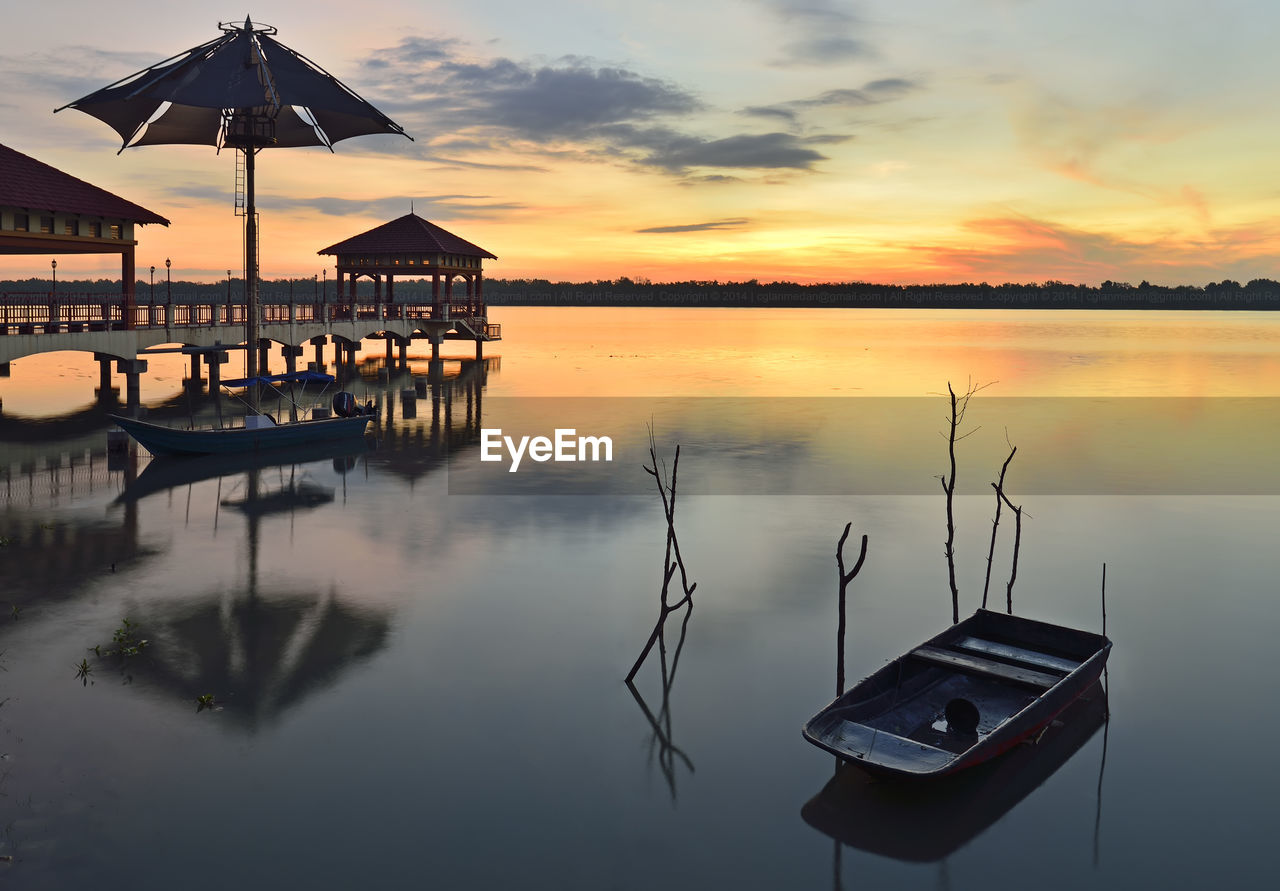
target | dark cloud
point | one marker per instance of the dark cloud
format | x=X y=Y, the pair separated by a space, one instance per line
x=713 y=178
x=873 y=92
x=539 y=103
x=822 y=33
x=736 y=223
x=444 y=206
x=762 y=151
x=594 y=112
x=772 y=111
x=825 y=50
x=453 y=207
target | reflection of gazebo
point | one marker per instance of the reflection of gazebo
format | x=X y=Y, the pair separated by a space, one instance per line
x=46 y=211
x=414 y=248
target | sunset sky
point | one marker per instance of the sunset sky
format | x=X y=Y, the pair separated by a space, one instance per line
x=804 y=140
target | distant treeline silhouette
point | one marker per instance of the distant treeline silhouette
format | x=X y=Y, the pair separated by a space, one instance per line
x=1259 y=294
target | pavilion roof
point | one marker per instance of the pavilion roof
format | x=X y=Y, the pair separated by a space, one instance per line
x=410 y=234
x=26 y=182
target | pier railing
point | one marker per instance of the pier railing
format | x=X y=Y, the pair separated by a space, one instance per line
x=40 y=312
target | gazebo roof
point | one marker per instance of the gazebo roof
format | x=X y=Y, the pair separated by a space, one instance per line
x=26 y=182
x=408 y=234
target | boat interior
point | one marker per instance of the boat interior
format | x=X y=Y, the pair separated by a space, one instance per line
x=955 y=690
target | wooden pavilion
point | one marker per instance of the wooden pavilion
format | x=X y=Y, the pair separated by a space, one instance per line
x=411 y=247
x=46 y=211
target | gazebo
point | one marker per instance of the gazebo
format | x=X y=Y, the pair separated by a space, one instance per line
x=46 y=211
x=411 y=247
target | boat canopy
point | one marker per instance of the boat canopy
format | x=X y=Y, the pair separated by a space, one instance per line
x=303 y=377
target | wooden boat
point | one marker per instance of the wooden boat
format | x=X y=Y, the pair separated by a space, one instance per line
x=962 y=697
x=926 y=822
x=160 y=440
x=260 y=431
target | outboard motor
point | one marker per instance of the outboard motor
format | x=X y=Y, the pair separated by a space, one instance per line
x=344 y=405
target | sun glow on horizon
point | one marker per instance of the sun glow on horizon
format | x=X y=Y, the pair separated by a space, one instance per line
x=936 y=144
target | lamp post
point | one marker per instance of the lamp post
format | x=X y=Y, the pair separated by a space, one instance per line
x=53 y=264
x=153 y=285
x=229 y=319
x=168 y=281
x=324 y=285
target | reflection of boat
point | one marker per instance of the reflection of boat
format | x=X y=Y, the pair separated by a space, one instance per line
x=260 y=431
x=169 y=472
x=964 y=696
x=159 y=440
x=923 y=822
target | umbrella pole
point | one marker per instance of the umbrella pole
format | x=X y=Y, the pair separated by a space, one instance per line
x=251 y=275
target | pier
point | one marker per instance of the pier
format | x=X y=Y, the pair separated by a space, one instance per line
x=121 y=331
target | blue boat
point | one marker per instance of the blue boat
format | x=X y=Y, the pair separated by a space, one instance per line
x=264 y=434
x=260 y=432
x=964 y=696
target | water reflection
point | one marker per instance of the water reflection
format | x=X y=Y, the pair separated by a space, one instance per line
x=257 y=652
x=928 y=821
x=254 y=650
x=662 y=740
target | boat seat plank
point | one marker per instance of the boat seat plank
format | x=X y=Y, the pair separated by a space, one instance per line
x=1018 y=654
x=978 y=665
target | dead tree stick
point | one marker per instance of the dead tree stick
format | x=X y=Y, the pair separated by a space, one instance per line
x=845 y=579
x=1017 y=541
x=949 y=487
x=669 y=565
x=995 y=524
x=1104 y=600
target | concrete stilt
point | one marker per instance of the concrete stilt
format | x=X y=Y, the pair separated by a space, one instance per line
x=132 y=369
x=404 y=353
x=264 y=349
x=479 y=349
x=291 y=354
x=104 y=371
x=215 y=361
x=318 y=343
x=195 y=370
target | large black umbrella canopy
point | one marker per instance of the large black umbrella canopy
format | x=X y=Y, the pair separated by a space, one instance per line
x=202 y=93
x=243 y=90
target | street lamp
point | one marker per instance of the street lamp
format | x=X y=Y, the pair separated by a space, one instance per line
x=153 y=284
x=54 y=265
x=324 y=285
x=168 y=281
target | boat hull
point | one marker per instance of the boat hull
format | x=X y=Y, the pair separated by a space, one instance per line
x=1018 y=673
x=160 y=440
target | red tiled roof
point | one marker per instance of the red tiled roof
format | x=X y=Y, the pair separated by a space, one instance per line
x=410 y=234
x=26 y=182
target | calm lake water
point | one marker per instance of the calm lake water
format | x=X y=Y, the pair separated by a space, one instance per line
x=416 y=658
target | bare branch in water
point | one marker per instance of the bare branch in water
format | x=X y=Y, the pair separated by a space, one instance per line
x=1017 y=541
x=959 y=405
x=672 y=560
x=845 y=579
x=995 y=524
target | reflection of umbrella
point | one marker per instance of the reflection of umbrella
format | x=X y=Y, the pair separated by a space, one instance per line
x=260 y=656
x=243 y=90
